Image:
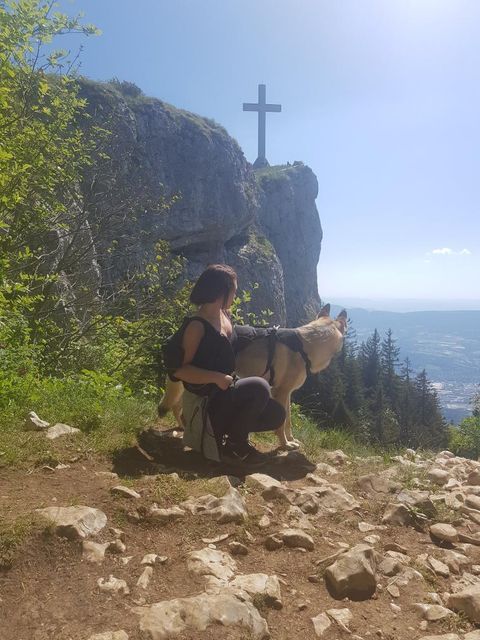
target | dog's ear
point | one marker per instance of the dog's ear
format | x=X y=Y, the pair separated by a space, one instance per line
x=342 y=320
x=324 y=311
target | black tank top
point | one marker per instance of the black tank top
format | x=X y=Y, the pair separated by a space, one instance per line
x=214 y=353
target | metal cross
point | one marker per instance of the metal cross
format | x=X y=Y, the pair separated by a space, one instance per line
x=262 y=107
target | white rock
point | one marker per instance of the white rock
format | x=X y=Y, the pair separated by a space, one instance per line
x=216 y=539
x=468 y=602
x=93 y=551
x=373 y=540
x=208 y=562
x=34 y=423
x=321 y=624
x=440 y=568
x=441 y=532
x=113 y=585
x=125 y=492
x=150 y=559
x=171 y=618
x=260 y=584
x=164 y=516
x=264 y=522
x=74 y=522
x=393 y=590
x=297 y=538
x=261 y=482
x=433 y=612
x=60 y=429
x=342 y=617
x=395 y=608
x=365 y=527
x=229 y=508
x=144 y=579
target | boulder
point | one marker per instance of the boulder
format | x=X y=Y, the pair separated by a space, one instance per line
x=145 y=577
x=210 y=562
x=164 y=516
x=125 y=492
x=377 y=484
x=34 y=423
x=441 y=533
x=260 y=584
x=438 y=476
x=321 y=624
x=172 y=618
x=229 y=508
x=352 y=575
x=113 y=585
x=297 y=538
x=93 y=551
x=397 y=514
x=433 y=612
x=74 y=522
x=261 y=482
x=467 y=601
x=59 y=429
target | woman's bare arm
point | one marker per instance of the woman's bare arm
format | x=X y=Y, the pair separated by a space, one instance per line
x=195 y=375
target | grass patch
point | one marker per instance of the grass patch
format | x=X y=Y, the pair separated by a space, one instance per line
x=315 y=440
x=172 y=489
x=12 y=537
x=108 y=418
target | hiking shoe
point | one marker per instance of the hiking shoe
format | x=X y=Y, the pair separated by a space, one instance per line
x=241 y=453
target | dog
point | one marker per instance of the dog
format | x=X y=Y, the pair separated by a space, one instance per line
x=284 y=367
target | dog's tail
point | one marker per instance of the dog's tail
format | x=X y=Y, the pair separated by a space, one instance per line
x=172 y=398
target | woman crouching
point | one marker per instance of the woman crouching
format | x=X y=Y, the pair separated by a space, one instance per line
x=219 y=410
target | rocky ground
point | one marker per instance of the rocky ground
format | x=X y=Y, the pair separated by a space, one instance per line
x=174 y=548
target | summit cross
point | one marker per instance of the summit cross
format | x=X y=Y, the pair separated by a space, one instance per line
x=263 y=108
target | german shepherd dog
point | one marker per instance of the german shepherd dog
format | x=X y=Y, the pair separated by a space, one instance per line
x=319 y=341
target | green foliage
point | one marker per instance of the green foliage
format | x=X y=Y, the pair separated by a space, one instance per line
x=362 y=393
x=464 y=440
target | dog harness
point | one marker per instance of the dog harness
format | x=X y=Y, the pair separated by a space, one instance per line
x=289 y=337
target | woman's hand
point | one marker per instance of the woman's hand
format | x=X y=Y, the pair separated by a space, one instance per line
x=223 y=381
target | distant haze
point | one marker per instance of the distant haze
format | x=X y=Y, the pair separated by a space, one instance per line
x=403 y=305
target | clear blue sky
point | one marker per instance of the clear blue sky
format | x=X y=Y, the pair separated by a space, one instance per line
x=380 y=97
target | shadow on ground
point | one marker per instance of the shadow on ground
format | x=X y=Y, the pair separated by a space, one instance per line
x=162 y=452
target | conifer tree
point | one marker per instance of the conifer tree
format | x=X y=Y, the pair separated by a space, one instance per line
x=389 y=358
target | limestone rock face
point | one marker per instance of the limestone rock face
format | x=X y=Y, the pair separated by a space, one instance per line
x=264 y=223
x=289 y=217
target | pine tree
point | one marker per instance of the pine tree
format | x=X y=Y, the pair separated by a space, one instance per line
x=389 y=359
x=405 y=404
x=429 y=425
x=371 y=364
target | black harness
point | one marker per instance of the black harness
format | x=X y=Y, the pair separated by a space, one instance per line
x=289 y=337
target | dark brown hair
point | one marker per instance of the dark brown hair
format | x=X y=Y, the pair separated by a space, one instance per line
x=217 y=281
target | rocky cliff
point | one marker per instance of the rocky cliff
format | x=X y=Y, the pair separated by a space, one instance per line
x=176 y=176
